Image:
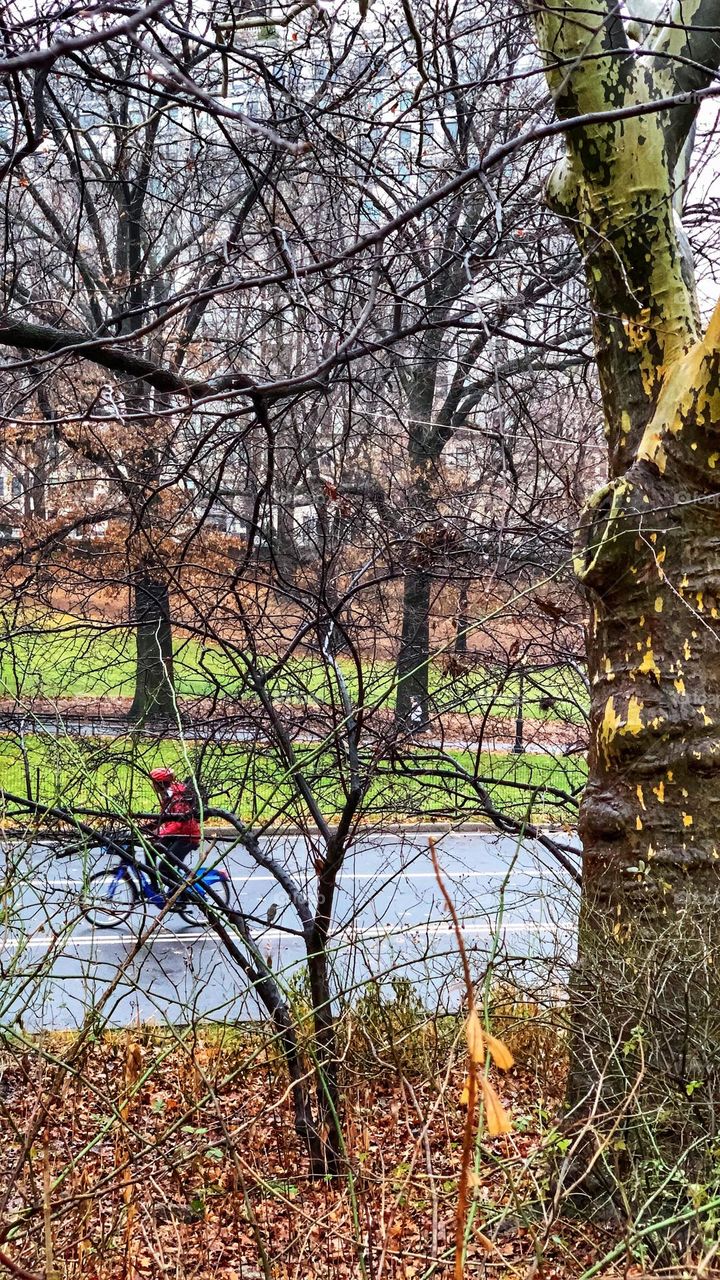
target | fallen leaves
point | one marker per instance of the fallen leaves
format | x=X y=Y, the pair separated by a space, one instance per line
x=231 y=1179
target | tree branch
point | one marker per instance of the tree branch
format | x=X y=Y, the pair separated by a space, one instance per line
x=687 y=57
x=45 y=57
x=37 y=337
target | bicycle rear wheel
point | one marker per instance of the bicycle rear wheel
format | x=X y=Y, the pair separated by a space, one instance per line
x=108 y=898
x=195 y=905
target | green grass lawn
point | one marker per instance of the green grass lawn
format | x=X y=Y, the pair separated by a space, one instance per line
x=56 y=657
x=110 y=775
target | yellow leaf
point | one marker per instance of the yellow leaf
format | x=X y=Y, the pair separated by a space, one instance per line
x=475 y=1038
x=465 y=1094
x=496 y=1117
x=499 y=1053
x=484 y=1243
x=479 y=1041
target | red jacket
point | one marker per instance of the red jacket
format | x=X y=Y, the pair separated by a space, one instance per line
x=177 y=814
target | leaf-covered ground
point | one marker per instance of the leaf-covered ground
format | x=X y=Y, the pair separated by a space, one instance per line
x=173 y=1154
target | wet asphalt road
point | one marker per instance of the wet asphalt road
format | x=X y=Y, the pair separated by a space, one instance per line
x=517 y=909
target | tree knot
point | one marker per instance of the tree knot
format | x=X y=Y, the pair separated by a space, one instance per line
x=608 y=522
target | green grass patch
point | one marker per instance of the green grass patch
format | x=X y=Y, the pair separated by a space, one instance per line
x=55 y=657
x=110 y=776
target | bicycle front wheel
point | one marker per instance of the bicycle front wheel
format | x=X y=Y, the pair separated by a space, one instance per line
x=108 y=898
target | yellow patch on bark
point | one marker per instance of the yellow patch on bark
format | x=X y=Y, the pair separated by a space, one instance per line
x=636 y=328
x=610 y=724
x=707 y=720
x=649 y=666
x=640 y=795
x=687 y=652
x=634 y=722
x=614 y=724
x=687 y=819
x=680 y=686
x=658 y=604
x=638 y=823
x=652 y=449
x=659 y=791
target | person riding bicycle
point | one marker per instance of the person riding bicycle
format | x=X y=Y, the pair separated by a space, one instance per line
x=177 y=832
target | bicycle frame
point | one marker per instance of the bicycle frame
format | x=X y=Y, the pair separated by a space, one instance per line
x=204 y=879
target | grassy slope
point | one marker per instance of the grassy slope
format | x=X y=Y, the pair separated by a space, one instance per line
x=66 y=659
x=109 y=775
x=57 y=657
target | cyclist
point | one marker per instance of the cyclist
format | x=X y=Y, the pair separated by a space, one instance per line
x=177 y=832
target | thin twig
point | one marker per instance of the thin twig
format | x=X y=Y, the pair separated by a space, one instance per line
x=469 y=1131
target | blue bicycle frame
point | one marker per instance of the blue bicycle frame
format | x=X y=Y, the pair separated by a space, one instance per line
x=204 y=879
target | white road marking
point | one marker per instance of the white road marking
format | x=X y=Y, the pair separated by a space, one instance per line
x=439 y=928
x=389 y=876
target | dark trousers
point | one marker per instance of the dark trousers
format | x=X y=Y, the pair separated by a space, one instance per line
x=172 y=852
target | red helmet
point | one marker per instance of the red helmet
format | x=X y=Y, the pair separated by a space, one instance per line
x=162 y=776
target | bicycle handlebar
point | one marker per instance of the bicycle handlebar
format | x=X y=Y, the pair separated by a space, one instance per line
x=104 y=839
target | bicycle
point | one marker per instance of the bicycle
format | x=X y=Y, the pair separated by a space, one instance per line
x=110 y=895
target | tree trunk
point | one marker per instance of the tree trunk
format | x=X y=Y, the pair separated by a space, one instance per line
x=646 y=995
x=154 y=687
x=462 y=621
x=644 y=1081
x=283 y=536
x=425 y=444
x=412 y=706
x=326 y=1063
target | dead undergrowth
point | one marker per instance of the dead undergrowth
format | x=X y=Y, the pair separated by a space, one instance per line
x=171 y=1153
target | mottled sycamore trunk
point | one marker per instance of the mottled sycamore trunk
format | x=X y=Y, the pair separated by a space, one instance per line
x=645 y=1072
x=647 y=988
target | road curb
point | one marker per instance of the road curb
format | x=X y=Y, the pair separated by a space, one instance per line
x=290 y=832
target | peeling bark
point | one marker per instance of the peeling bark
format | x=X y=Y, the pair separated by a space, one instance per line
x=646 y=991
x=645 y=1068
